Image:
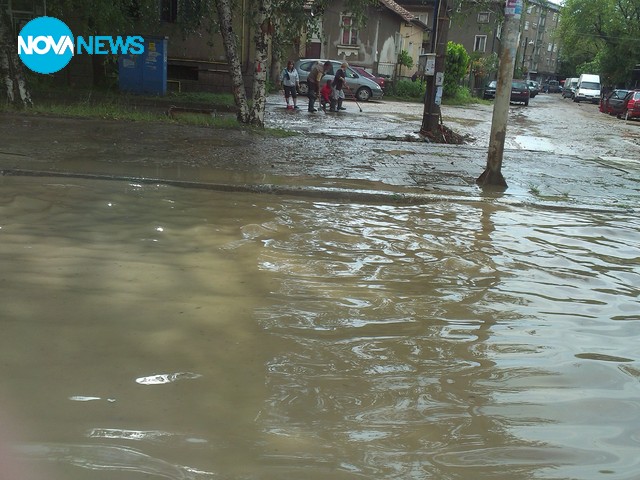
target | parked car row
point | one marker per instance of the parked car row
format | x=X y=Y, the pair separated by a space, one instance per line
x=520 y=91
x=622 y=103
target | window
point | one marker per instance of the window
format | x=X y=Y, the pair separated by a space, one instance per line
x=480 y=43
x=169 y=11
x=349 y=31
x=483 y=17
x=499 y=31
x=526 y=25
x=424 y=18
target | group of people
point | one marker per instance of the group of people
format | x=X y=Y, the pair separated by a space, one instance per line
x=331 y=93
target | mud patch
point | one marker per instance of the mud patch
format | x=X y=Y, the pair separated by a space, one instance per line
x=395 y=153
x=439 y=178
x=466 y=122
x=446 y=135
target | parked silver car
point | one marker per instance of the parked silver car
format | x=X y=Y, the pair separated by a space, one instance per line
x=362 y=87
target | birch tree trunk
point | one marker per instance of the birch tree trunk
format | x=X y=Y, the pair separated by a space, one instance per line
x=11 y=72
x=230 y=40
x=262 y=38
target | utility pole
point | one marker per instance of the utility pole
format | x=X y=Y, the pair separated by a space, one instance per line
x=492 y=176
x=435 y=72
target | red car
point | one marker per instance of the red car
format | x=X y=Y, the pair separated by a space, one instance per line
x=633 y=106
x=614 y=102
x=364 y=73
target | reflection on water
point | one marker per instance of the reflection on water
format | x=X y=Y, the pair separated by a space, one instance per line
x=153 y=332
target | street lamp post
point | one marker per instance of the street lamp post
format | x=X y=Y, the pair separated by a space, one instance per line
x=524 y=55
x=492 y=175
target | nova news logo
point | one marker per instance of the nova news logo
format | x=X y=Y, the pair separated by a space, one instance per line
x=46 y=45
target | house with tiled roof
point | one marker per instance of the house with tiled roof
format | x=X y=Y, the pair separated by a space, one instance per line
x=375 y=43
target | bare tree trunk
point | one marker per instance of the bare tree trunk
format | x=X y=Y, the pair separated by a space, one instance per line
x=492 y=175
x=230 y=40
x=11 y=71
x=262 y=38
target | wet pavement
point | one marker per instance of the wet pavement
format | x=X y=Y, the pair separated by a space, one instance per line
x=557 y=153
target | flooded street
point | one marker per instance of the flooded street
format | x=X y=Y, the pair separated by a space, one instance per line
x=155 y=332
x=550 y=124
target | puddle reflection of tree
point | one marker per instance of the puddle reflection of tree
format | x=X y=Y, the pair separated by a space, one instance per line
x=492 y=444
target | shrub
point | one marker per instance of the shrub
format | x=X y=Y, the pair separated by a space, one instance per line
x=462 y=97
x=408 y=89
x=456 y=67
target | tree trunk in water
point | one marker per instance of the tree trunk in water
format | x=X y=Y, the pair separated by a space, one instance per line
x=230 y=40
x=263 y=33
x=492 y=175
x=11 y=71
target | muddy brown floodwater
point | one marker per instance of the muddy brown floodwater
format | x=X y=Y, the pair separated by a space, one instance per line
x=153 y=332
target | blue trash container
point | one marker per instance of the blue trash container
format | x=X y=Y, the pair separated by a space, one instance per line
x=145 y=73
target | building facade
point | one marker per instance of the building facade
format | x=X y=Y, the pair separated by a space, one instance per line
x=375 y=43
x=478 y=27
x=538 y=49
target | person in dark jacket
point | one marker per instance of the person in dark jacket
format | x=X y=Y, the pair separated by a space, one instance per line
x=339 y=81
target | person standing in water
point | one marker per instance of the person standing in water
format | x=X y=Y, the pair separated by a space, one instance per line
x=290 y=82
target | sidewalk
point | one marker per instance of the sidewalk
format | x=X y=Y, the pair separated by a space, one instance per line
x=339 y=167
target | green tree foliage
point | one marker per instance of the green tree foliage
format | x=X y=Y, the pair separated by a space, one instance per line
x=103 y=17
x=404 y=59
x=456 y=67
x=601 y=36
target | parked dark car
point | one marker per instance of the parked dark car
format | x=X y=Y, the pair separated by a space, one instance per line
x=552 y=86
x=520 y=92
x=490 y=90
x=534 y=88
x=615 y=102
x=361 y=71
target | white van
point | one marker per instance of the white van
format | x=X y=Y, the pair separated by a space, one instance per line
x=569 y=87
x=588 y=88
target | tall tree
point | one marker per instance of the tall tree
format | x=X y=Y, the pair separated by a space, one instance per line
x=11 y=71
x=601 y=34
x=230 y=40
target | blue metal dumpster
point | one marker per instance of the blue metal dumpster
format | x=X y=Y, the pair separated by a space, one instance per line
x=147 y=72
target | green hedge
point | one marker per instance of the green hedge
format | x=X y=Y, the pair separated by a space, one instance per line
x=409 y=89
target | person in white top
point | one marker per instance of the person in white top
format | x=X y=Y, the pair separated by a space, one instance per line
x=290 y=82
